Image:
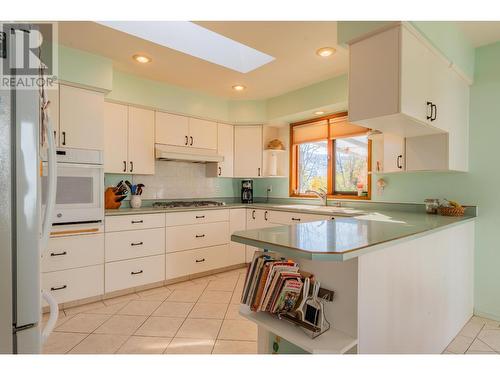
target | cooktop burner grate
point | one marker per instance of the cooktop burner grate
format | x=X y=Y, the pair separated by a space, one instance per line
x=178 y=204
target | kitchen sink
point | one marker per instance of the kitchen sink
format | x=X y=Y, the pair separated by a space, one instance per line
x=329 y=209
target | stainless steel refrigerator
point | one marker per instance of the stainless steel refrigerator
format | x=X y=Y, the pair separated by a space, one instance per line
x=23 y=232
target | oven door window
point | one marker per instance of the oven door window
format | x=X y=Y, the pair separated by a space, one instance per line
x=77 y=186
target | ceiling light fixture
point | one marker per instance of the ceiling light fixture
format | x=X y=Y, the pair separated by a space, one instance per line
x=142 y=59
x=319 y=112
x=239 y=87
x=325 y=51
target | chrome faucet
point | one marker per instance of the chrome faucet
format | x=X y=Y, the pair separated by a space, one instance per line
x=321 y=194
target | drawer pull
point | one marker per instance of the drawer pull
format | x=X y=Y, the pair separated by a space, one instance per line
x=137 y=243
x=137 y=221
x=58 y=254
x=296 y=218
x=136 y=273
x=200 y=260
x=200 y=217
x=58 y=287
x=200 y=235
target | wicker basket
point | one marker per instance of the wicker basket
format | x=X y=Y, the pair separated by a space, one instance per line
x=451 y=211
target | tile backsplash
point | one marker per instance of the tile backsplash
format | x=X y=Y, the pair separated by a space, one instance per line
x=179 y=180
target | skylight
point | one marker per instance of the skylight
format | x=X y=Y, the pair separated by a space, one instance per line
x=197 y=41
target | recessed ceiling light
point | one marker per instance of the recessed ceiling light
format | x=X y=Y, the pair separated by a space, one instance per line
x=239 y=87
x=325 y=51
x=142 y=59
x=319 y=112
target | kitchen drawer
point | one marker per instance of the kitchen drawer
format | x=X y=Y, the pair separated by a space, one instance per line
x=196 y=217
x=74 y=284
x=187 y=237
x=134 y=244
x=132 y=222
x=134 y=272
x=289 y=218
x=73 y=251
x=194 y=261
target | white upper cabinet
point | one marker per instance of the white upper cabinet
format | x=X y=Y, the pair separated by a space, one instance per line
x=248 y=151
x=141 y=133
x=81 y=118
x=388 y=153
x=401 y=85
x=202 y=134
x=115 y=138
x=171 y=129
x=225 y=147
x=176 y=130
x=128 y=140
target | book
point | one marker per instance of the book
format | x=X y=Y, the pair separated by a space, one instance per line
x=288 y=296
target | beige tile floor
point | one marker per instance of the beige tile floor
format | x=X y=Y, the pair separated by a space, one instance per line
x=196 y=317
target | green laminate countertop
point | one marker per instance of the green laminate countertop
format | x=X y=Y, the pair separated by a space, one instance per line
x=303 y=208
x=345 y=237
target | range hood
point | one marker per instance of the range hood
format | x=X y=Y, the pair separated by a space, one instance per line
x=173 y=153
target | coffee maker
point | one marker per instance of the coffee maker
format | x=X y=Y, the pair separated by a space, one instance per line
x=247 y=191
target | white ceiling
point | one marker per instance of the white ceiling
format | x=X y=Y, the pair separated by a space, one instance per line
x=480 y=33
x=293 y=44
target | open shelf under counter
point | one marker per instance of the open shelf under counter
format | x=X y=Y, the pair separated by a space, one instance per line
x=330 y=342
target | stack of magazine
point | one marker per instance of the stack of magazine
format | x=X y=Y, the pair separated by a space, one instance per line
x=272 y=285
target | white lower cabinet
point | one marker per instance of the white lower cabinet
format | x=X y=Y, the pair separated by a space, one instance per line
x=289 y=218
x=73 y=252
x=134 y=244
x=237 y=222
x=194 y=261
x=74 y=284
x=134 y=272
x=185 y=237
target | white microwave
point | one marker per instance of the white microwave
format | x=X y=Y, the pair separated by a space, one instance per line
x=80 y=186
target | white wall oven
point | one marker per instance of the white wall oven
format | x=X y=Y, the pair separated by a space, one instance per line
x=80 y=185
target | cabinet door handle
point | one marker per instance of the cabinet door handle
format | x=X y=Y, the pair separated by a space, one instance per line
x=192 y=140
x=258 y=172
x=429 y=105
x=58 y=287
x=296 y=218
x=64 y=138
x=400 y=158
x=265 y=215
x=199 y=260
x=137 y=243
x=220 y=171
x=124 y=166
x=434 y=112
x=131 y=166
x=200 y=217
x=136 y=273
x=199 y=235
x=137 y=221
x=253 y=214
x=58 y=254
x=186 y=140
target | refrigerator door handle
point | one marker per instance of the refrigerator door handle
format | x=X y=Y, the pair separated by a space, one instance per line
x=54 y=314
x=52 y=183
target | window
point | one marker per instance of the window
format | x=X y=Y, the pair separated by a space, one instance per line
x=330 y=154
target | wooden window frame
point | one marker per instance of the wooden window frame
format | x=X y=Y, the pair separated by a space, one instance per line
x=331 y=157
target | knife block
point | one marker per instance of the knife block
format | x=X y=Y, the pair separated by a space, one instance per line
x=110 y=199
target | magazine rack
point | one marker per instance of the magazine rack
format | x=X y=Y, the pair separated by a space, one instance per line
x=310 y=329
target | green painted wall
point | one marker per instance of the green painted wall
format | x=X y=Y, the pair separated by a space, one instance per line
x=134 y=89
x=247 y=111
x=85 y=68
x=325 y=93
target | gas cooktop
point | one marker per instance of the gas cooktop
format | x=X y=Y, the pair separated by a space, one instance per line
x=179 y=204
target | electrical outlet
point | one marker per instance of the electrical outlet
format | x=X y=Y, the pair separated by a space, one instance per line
x=270 y=189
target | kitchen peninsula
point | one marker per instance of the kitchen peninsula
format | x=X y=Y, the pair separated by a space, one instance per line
x=403 y=281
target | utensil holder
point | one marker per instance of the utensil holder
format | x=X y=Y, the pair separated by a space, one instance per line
x=135 y=201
